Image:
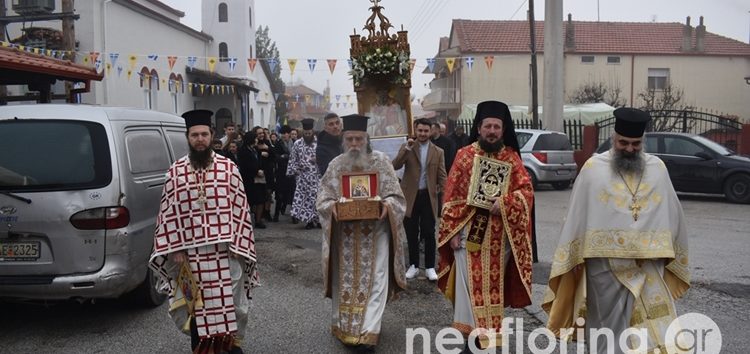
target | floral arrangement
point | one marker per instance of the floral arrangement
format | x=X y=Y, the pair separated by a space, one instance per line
x=383 y=62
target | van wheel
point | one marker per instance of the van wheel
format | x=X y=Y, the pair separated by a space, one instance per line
x=737 y=188
x=534 y=182
x=561 y=185
x=146 y=294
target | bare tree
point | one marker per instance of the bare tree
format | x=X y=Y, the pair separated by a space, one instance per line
x=593 y=92
x=662 y=105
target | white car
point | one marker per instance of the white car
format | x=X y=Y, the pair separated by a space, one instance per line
x=548 y=157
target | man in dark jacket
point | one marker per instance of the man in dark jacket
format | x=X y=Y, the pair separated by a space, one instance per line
x=449 y=148
x=329 y=142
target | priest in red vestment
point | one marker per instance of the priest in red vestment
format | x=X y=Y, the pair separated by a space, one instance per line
x=204 y=251
x=484 y=240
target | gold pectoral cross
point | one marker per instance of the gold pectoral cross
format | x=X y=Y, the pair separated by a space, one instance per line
x=635 y=208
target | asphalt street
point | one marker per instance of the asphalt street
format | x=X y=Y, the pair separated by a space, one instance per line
x=290 y=314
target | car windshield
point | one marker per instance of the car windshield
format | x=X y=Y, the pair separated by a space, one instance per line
x=552 y=141
x=718 y=148
x=53 y=155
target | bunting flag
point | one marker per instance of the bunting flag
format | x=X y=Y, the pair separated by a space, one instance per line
x=47 y=52
x=338 y=104
x=171 y=60
x=348 y=97
x=130 y=74
x=132 y=59
x=307 y=99
x=349 y=61
x=153 y=57
x=256 y=95
x=86 y=60
x=251 y=64
x=488 y=60
x=190 y=88
x=449 y=62
x=292 y=64
x=119 y=70
x=431 y=64
x=212 y=64
x=98 y=64
x=36 y=51
x=272 y=63
x=311 y=63
x=202 y=87
x=331 y=65
x=276 y=96
x=470 y=63
x=108 y=67
x=113 y=58
x=93 y=56
x=191 y=62
x=296 y=97
x=338 y=98
x=412 y=64
x=232 y=62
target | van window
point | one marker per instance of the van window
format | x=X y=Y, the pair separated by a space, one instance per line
x=554 y=142
x=179 y=143
x=43 y=155
x=147 y=151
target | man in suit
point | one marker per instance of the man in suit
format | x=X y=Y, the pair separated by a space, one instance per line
x=424 y=178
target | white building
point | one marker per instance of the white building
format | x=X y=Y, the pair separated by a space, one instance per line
x=151 y=60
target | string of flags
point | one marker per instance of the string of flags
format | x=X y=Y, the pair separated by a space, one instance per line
x=97 y=60
x=126 y=64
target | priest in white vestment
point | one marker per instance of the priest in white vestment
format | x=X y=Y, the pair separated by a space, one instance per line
x=363 y=260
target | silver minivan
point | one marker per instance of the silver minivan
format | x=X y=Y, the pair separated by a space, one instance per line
x=79 y=194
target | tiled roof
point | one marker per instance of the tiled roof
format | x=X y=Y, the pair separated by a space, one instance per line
x=302 y=90
x=17 y=60
x=485 y=36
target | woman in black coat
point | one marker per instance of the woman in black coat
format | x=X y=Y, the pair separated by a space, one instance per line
x=253 y=176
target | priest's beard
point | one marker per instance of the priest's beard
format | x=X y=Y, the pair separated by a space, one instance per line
x=308 y=139
x=355 y=158
x=628 y=162
x=200 y=159
x=490 y=147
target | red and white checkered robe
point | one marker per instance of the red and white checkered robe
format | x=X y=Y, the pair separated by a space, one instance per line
x=208 y=237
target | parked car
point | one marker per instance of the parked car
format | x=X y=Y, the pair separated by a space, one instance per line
x=699 y=165
x=548 y=157
x=79 y=194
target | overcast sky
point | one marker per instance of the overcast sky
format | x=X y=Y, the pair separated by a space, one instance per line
x=306 y=29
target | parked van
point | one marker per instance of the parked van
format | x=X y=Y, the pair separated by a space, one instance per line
x=79 y=194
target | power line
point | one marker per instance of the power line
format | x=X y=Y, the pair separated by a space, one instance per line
x=518 y=9
x=425 y=27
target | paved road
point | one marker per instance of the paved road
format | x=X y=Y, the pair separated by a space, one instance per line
x=290 y=314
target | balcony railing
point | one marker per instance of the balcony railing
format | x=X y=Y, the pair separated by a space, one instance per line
x=442 y=99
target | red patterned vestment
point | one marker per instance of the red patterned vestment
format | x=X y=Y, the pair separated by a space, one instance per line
x=491 y=287
x=210 y=233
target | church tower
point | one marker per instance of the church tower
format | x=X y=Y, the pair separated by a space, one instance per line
x=232 y=25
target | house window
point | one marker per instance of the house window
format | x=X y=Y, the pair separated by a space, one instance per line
x=223 y=51
x=251 y=17
x=587 y=59
x=223 y=17
x=658 y=79
x=613 y=60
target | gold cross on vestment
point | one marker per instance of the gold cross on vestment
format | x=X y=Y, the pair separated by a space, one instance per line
x=481 y=220
x=635 y=208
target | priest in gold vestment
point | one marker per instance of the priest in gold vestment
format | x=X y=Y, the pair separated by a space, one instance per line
x=622 y=256
x=363 y=260
x=485 y=234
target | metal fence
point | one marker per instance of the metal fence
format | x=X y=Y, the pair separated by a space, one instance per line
x=723 y=130
x=573 y=128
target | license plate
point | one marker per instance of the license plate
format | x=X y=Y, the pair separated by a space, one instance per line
x=19 y=251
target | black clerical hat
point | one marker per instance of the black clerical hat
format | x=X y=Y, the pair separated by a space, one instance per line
x=197 y=117
x=355 y=122
x=308 y=123
x=631 y=122
x=499 y=110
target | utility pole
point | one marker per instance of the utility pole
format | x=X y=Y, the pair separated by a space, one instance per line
x=3 y=88
x=69 y=40
x=534 y=81
x=553 y=65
